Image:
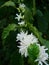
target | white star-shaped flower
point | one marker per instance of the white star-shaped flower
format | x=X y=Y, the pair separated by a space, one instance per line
x=25 y=40
x=19 y=17
x=43 y=56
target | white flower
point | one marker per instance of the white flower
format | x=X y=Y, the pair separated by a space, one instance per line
x=22 y=7
x=25 y=41
x=19 y=17
x=43 y=56
x=21 y=23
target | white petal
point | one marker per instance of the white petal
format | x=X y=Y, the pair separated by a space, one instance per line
x=40 y=63
x=45 y=63
x=21 y=23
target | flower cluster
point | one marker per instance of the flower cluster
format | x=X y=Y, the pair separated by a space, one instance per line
x=25 y=41
x=19 y=16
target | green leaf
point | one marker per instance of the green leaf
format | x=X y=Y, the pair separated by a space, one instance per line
x=8 y=3
x=39 y=13
x=41 y=21
x=27 y=15
x=6 y=31
x=33 y=51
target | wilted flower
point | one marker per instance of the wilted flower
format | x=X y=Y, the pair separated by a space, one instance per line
x=25 y=40
x=22 y=7
x=43 y=56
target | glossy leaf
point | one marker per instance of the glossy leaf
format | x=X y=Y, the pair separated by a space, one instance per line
x=6 y=31
x=8 y=3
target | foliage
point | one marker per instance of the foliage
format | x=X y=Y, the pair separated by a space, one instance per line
x=36 y=18
x=31 y=50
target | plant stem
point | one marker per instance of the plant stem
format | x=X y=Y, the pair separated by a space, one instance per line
x=19 y=1
x=34 y=7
